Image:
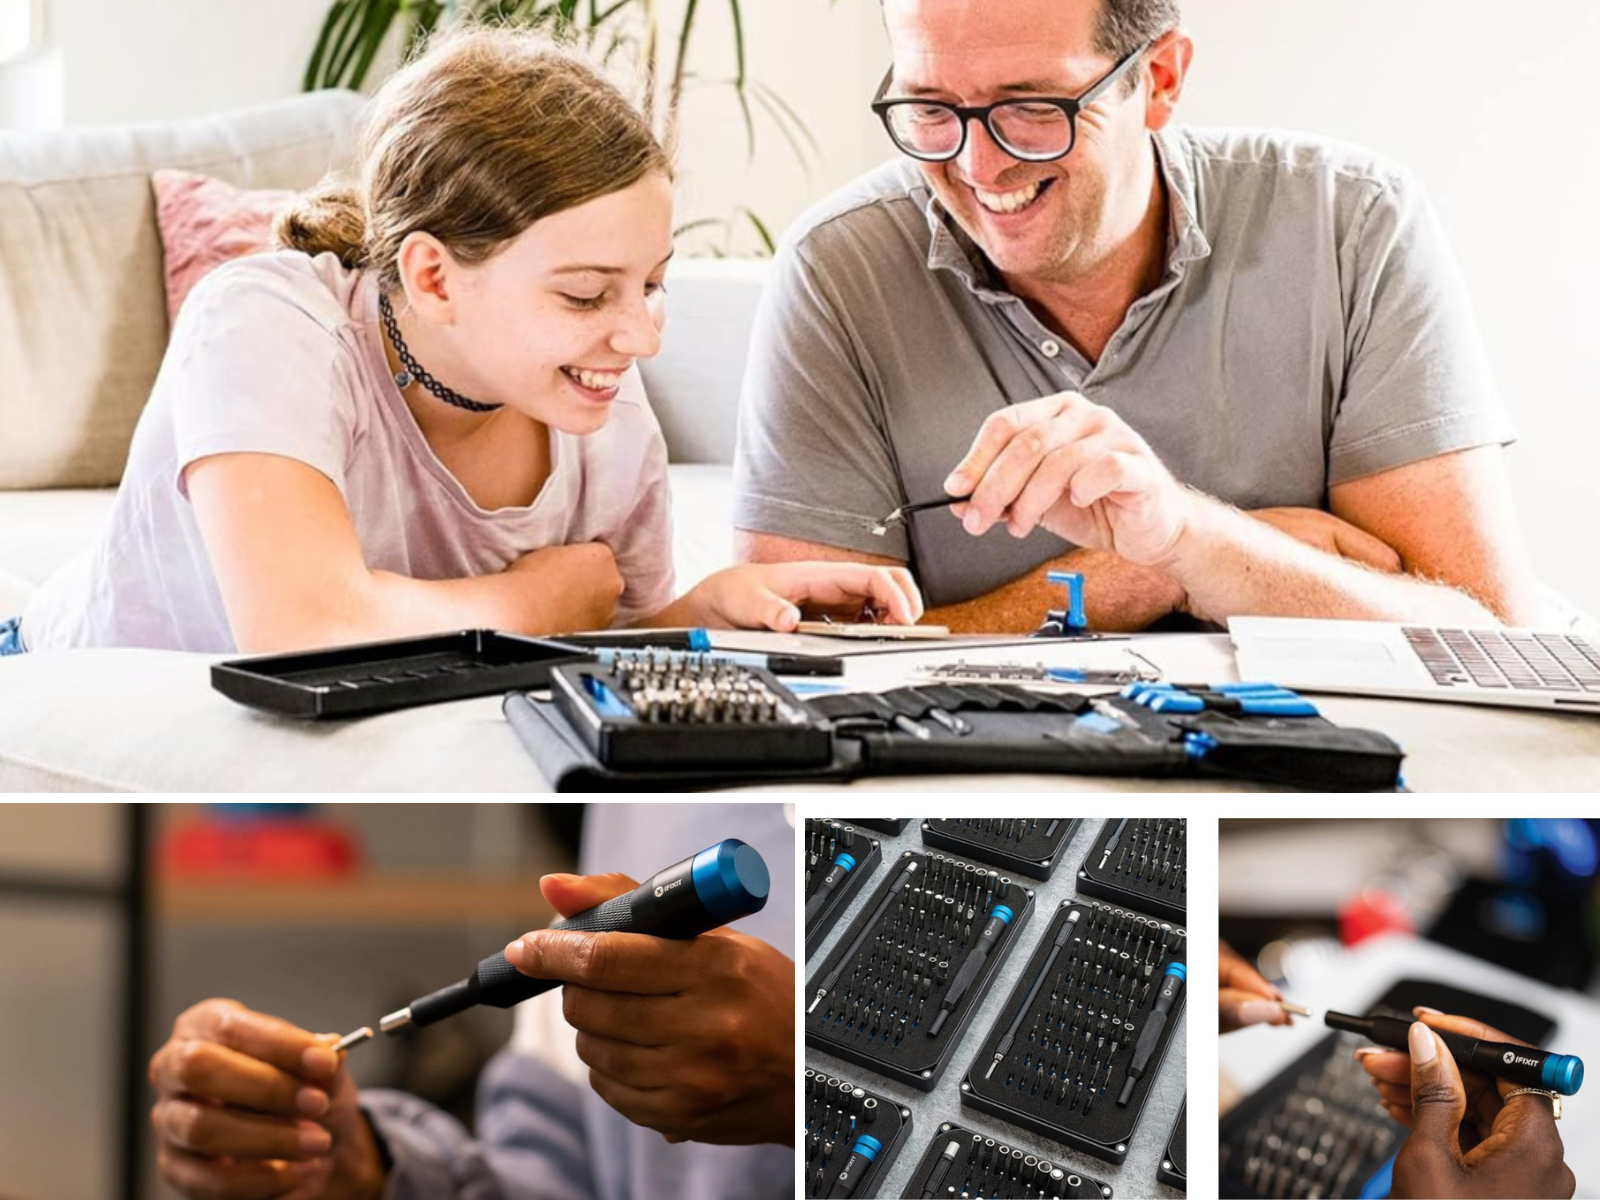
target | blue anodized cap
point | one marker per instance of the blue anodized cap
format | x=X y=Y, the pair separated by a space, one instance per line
x=1001 y=911
x=731 y=879
x=1563 y=1073
x=1178 y=969
x=867 y=1146
x=845 y=861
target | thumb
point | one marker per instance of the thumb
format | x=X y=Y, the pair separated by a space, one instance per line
x=573 y=894
x=766 y=609
x=1438 y=1099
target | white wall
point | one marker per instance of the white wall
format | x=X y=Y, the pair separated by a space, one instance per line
x=1489 y=109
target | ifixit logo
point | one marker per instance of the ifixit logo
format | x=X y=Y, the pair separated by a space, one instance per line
x=662 y=891
x=1511 y=1056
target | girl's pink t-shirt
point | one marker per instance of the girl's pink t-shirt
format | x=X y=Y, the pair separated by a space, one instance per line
x=283 y=354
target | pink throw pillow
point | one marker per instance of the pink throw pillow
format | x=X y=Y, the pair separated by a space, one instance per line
x=205 y=222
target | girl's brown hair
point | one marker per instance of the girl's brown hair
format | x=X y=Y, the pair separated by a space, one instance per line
x=484 y=134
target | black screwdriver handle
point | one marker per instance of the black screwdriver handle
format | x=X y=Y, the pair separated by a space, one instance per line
x=667 y=906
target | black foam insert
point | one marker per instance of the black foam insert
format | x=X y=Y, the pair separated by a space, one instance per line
x=1029 y=846
x=825 y=840
x=1068 y=1061
x=837 y=1113
x=1148 y=868
x=983 y=1166
x=884 y=995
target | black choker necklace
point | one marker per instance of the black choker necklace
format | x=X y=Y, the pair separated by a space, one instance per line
x=415 y=372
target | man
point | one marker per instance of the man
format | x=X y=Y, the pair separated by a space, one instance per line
x=1115 y=335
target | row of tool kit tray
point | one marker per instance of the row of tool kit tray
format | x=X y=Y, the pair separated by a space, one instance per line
x=1076 y=1025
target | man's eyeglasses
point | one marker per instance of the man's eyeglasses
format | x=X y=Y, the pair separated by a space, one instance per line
x=1035 y=129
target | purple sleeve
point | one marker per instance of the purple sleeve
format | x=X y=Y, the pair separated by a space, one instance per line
x=532 y=1143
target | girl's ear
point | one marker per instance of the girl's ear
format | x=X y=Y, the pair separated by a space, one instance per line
x=426 y=273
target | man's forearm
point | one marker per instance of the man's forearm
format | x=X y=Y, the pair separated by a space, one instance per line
x=1118 y=597
x=1229 y=564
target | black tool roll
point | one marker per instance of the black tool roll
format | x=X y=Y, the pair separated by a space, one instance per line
x=982 y=728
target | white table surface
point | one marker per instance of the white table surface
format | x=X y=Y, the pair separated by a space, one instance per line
x=149 y=720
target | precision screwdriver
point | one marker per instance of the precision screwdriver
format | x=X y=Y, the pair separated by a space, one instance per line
x=999 y=917
x=866 y=1149
x=1520 y=1064
x=1112 y=844
x=866 y=928
x=1171 y=986
x=842 y=866
x=940 y=1170
x=720 y=884
x=1033 y=992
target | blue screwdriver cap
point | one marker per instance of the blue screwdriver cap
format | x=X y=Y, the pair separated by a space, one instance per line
x=867 y=1146
x=1001 y=911
x=845 y=861
x=1563 y=1073
x=731 y=879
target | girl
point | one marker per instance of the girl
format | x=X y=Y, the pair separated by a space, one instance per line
x=423 y=414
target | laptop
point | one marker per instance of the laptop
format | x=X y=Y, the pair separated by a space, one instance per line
x=1515 y=667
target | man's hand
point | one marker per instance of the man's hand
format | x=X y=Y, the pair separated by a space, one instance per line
x=1078 y=470
x=1332 y=535
x=1466 y=1138
x=252 y=1108
x=692 y=1038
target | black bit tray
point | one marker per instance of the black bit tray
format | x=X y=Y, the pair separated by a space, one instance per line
x=868 y=856
x=894 y=826
x=1142 y=873
x=837 y=1112
x=1174 y=1167
x=1028 y=846
x=984 y=1166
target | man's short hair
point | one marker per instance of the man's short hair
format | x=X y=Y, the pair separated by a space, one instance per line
x=1126 y=25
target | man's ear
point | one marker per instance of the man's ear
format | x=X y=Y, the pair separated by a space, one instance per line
x=426 y=274
x=1166 y=68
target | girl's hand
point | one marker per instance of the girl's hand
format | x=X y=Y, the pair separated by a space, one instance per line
x=771 y=595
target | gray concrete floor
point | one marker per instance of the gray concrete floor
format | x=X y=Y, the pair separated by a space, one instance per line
x=1136 y=1176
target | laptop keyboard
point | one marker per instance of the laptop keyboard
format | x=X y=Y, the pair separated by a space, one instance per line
x=1490 y=658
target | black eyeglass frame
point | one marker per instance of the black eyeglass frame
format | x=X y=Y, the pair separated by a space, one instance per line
x=966 y=114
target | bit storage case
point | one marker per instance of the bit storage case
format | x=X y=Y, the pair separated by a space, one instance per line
x=1061 y=1075
x=894 y=826
x=886 y=996
x=1028 y=846
x=832 y=839
x=1173 y=1169
x=986 y=1166
x=1147 y=871
x=837 y=1113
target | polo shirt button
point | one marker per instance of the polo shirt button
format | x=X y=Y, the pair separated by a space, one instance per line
x=1050 y=348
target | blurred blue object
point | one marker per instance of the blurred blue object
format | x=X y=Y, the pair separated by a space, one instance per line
x=1569 y=839
x=1381 y=1182
x=260 y=810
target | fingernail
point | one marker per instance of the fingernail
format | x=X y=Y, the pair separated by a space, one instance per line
x=311 y=1101
x=956 y=485
x=314 y=1139
x=319 y=1060
x=1423 y=1047
x=514 y=952
x=1253 y=1012
x=1363 y=1051
x=1432 y=1012
x=972 y=522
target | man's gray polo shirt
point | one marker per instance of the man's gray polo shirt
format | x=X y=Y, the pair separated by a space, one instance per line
x=1310 y=329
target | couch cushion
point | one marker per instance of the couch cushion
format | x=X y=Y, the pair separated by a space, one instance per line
x=694 y=382
x=205 y=222
x=83 y=320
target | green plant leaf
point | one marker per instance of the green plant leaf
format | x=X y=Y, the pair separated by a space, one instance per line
x=761 y=229
x=373 y=33
x=739 y=71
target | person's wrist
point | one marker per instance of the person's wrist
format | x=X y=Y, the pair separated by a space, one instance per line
x=366 y=1163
